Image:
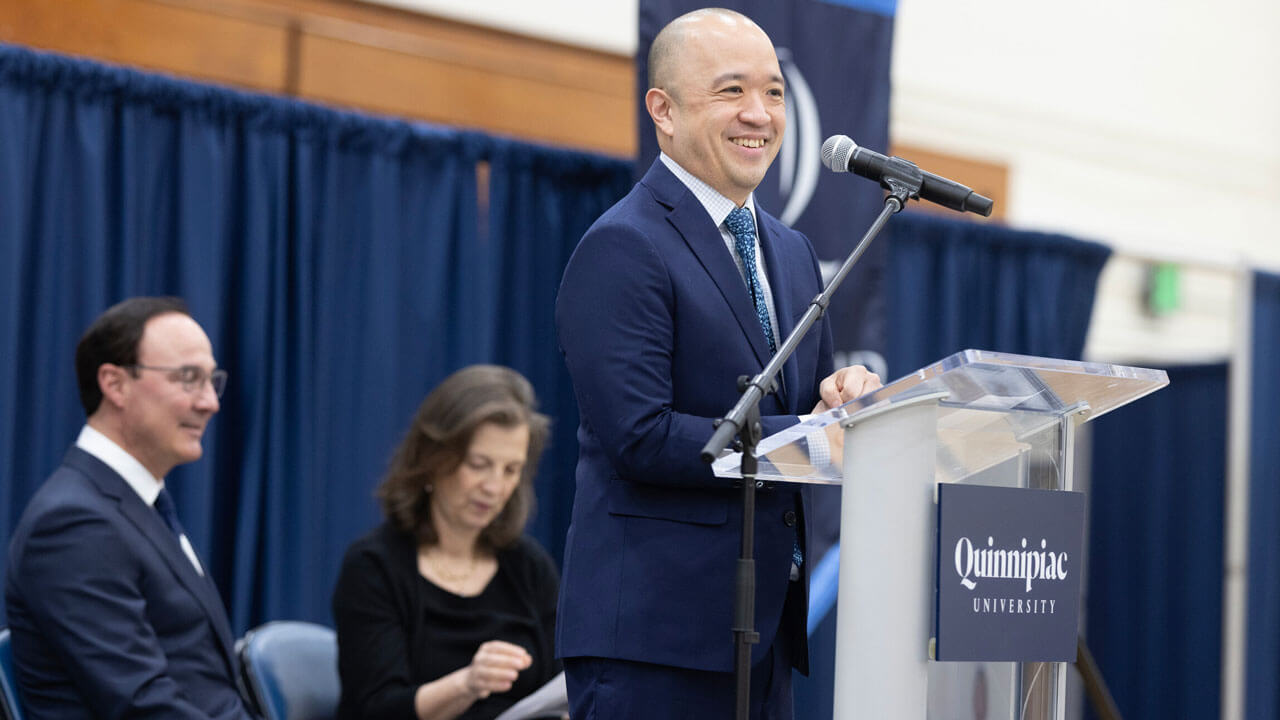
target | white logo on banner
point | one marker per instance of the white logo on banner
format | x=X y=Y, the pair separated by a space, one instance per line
x=798 y=158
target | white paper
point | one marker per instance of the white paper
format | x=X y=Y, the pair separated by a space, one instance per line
x=549 y=699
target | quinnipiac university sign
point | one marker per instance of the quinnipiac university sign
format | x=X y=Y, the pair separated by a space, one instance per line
x=1008 y=573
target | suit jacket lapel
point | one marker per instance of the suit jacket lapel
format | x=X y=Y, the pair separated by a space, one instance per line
x=150 y=524
x=152 y=527
x=780 y=285
x=690 y=219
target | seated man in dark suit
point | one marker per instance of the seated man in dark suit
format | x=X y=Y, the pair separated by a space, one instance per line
x=112 y=612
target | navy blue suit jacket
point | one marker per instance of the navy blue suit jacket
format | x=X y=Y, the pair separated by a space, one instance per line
x=656 y=324
x=109 y=617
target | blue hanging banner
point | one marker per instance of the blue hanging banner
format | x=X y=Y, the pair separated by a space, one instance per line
x=1009 y=562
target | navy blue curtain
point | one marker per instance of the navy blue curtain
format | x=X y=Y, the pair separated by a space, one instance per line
x=1154 y=606
x=956 y=284
x=1262 y=699
x=540 y=205
x=341 y=265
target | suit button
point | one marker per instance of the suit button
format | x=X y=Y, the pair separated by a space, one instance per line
x=789 y=518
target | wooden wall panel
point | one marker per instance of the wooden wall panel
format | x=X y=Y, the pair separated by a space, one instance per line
x=385 y=60
x=178 y=39
x=512 y=96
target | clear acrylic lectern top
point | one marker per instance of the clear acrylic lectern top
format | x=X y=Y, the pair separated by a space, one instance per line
x=990 y=403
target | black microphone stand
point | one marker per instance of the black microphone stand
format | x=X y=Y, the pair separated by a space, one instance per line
x=744 y=421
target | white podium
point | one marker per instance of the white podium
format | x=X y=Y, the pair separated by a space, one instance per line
x=975 y=417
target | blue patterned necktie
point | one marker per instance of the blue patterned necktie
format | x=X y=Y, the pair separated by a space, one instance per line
x=743 y=228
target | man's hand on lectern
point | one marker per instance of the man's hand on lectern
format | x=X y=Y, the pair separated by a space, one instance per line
x=844 y=385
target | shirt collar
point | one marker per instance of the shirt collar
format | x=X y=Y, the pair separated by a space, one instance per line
x=718 y=206
x=126 y=466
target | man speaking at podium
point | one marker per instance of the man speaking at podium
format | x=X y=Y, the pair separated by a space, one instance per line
x=672 y=294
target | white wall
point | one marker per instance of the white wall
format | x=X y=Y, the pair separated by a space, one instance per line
x=1153 y=127
x=608 y=25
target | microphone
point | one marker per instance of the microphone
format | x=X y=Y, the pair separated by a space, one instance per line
x=841 y=154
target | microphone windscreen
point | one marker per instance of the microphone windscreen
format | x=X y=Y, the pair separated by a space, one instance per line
x=836 y=152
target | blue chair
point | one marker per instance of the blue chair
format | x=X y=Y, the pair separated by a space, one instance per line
x=8 y=682
x=292 y=670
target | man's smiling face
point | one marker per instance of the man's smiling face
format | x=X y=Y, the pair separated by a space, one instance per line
x=727 y=105
x=163 y=423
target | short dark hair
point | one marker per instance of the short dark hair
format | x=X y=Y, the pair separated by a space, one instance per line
x=114 y=338
x=439 y=437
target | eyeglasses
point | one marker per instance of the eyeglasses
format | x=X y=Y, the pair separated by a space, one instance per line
x=192 y=378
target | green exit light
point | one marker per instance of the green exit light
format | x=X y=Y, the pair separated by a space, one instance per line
x=1163 y=296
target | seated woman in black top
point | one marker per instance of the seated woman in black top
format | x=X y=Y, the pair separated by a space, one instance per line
x=446 y=611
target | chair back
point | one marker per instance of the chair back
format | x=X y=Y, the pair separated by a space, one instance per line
x=292 y=670
x=9 y=702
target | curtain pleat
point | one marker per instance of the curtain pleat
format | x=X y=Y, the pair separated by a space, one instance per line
x=1154 y=605
x=955 y=284
x=1262 y=663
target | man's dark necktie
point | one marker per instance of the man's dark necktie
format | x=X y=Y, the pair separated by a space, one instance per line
x=164 y=506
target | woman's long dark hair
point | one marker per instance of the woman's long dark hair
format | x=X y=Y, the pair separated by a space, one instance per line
x=437 y=443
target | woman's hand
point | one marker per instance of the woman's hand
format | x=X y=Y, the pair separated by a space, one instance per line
x=494 y=668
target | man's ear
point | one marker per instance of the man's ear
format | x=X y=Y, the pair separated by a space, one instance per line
x=660 y=106
x=111 y=381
